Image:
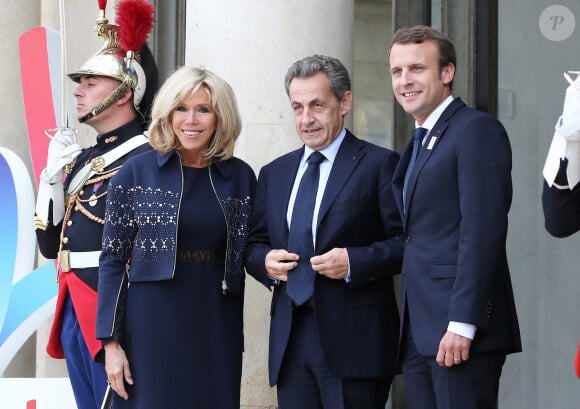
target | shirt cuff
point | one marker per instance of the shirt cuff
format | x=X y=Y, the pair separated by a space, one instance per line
x=462 y=328
x=347 y=278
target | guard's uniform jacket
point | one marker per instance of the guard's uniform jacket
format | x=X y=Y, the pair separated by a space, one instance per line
x=76 y=241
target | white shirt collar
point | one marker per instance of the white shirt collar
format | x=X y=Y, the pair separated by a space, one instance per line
x=329 y=152
x=434 y=116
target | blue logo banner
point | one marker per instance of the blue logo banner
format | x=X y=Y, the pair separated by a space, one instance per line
x=27 y=296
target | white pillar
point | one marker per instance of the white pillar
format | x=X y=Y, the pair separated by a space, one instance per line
x=251 y=44
x=16 y=17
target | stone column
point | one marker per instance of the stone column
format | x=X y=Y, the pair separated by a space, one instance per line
x=251 y=44
x=16 y=17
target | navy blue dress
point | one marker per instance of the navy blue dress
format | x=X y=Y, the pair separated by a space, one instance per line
x=183 y=337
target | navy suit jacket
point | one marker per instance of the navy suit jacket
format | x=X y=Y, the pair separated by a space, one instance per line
x=357 y=321
x=455 y=222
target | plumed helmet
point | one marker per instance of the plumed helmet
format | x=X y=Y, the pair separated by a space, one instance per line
x=120 y=55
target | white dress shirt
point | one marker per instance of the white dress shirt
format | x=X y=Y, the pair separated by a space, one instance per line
x=325 y=166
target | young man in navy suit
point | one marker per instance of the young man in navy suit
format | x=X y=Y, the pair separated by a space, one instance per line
x=334 y=318
x=453 y=189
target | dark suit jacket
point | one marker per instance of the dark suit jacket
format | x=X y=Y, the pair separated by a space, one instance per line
x=561 y=206
x=562 y=218
x=357 y=321
x=455 y=266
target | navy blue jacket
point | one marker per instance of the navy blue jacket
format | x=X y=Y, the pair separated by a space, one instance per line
x=82 y=232
x=143 y=206
x=357 y=321
x=455 y=221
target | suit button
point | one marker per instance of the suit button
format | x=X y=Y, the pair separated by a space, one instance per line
x=407 y=239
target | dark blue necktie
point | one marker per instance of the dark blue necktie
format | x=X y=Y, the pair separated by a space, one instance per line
x=300 y=284
x=417 y=138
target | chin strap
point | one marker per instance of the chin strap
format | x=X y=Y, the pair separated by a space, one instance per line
x=117 y=94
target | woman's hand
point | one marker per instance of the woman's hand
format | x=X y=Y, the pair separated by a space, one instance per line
x=117 y=368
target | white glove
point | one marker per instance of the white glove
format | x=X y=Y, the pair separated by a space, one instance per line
x=62 y=149
x=568 y=125
x=566 y=139
x=46 y=192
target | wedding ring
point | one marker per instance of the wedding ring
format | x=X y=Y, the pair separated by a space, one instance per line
x=456 y=360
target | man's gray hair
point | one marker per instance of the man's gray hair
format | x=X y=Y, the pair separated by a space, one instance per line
x=338 y=78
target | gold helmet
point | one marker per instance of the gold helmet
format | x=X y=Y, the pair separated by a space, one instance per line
x=120 y=56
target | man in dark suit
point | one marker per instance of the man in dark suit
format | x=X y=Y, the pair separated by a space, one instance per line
x=334 y=319
x=453 y=189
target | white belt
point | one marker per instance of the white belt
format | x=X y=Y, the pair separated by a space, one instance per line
x=69 y=260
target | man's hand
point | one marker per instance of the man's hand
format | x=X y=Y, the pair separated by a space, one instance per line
x=117 y=368
x=453 y=349
x=279 y=262
x=332 y=264
x=62 y=149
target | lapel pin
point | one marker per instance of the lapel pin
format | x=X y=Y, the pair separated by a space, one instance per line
x=432 y=142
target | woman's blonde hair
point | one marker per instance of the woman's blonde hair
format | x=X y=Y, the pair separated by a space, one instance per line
x=182 y=83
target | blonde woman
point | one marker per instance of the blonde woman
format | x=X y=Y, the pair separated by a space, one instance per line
x=171 y=274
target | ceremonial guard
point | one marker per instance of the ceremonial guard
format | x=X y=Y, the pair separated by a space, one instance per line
x=561 y=188
x=114 y=94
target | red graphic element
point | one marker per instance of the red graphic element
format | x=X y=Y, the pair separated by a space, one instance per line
x=31 y=404
x=36 y=46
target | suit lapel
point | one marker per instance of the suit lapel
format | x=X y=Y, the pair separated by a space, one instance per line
x=399 y=176
x=431 y=143
x=284 y=183
x=349 y=155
